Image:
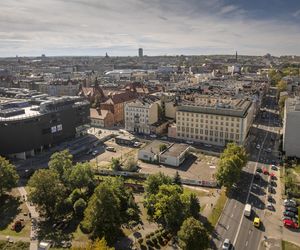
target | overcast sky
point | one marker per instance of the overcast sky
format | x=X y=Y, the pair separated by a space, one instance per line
x=161 y=27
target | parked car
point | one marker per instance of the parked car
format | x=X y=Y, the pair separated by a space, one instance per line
x=290 y=201
x=270 y=207
x=273 y=167
x=258 y=146
x=257 y=176
x=291 y=209
x=270 y=198
x=226 y=244
x=290 y=224
x=290 y=214
x=269 y=150
x=95 y=152
x=153 y=136
x=111 y=149
x=258 y=170
x=265 y=171
x=189 y=142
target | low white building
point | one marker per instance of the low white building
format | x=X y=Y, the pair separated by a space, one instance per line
x=171 y=154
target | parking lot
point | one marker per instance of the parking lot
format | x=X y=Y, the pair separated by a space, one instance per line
x=197 y=167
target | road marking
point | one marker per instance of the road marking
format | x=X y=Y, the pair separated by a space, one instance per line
x=250 y=231
x=231 y=215
x=235 y=206
x=246 y=243
x=249 y=191
x=227 y=228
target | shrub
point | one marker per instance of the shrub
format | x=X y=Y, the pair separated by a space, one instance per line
x=147 y=236
x=152 y=233
x=140 y=241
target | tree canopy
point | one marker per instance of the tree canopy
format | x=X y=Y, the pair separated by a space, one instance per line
x=230 y=165
x=193 y=235
x=8 y=176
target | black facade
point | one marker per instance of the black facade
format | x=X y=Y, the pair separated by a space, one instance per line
x=33 y=133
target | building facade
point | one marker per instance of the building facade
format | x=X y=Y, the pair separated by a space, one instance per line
x=214 y=122
x=291 y=125
x=140 y=114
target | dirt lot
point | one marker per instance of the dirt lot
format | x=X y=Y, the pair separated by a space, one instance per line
x=104 y=157
x=197 y=166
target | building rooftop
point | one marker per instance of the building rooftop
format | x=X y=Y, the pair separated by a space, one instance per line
x=218 y=106
x=176 y=150
x=293 y=104
x=154 y=146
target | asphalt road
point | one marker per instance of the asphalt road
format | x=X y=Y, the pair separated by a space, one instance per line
x=233 y=224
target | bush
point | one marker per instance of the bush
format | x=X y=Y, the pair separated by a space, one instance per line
x=154 y=240
x=143 y=247
x=79 y=207
x=147 y=236
x=152 y=234
x=140 y=241
x=148 y=242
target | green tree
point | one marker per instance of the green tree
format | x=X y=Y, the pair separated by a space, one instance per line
x=79 y=207
x=168 y=207
x=102 y=216
x=162 y=147
x=228 y=172
x=110 y=206
x=61 y=162
x=115 y=164
x=96 y=245
x=191 y=205
x=8 y=176
x=281 y=86
x=47 y=191
x=131 y=164
x=193 y=235
x=75 y=195
x=177 y=178
x=154 y=181
x=81 y=176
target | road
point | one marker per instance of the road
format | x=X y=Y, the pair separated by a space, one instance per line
x=233 y=224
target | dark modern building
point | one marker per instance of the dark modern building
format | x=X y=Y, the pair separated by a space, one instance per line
x=30 y=122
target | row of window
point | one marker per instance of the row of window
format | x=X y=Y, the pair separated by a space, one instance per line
x=206 y=122
x=197 y=130
x=187 y=114
x=222 y=137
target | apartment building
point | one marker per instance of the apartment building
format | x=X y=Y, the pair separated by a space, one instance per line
x=214 y=120
x=291 y=125
x=141 y=114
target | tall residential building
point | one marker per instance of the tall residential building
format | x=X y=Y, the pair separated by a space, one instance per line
x=140 y=114
x=291 y=125
x=214 y=120
x=141 y=54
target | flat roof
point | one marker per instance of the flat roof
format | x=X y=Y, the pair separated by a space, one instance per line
x=154 y=146
x=176 y=149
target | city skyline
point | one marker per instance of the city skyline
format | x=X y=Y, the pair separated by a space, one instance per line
x=92 y=28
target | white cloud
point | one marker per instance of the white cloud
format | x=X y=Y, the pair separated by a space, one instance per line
x=121 y=26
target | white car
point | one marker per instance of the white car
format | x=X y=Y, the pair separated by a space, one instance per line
x=257 y=146
x=288 y=201
x=189 y=142
x=153 y=136
x=226 y=244
x=95 y=152
x=269 y=150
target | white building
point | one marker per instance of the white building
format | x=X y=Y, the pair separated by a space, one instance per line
x=140 y=114
x=291 y=126
x=173 y=154
x=214 y=120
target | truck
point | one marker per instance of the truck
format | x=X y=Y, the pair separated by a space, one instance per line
x=247 y=210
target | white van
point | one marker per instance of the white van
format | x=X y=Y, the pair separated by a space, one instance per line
x=247 y=210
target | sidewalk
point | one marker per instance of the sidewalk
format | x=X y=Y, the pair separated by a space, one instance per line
x=34 y=217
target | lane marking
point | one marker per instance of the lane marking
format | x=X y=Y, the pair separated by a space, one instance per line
x=235 y=206
x=249 y=191
x=246 y=243
x=231 y=215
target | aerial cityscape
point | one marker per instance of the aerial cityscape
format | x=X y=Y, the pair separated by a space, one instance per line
x=150 y=125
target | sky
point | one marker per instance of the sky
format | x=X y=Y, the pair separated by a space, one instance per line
x=160 y=27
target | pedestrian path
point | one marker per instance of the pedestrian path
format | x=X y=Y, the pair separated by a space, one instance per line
x=34 y=217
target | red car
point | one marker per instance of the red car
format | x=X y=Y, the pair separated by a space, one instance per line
x=272 y=175
x=265 y=171
x=290 y=223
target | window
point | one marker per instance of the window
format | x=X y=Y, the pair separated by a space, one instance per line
x=211 y=133
x=221 y=134
x=206 y=132
x=237 y=136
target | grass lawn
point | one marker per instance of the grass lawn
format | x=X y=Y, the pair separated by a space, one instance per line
x=19 y=245
x=199 y=193
x=11 y=209
x=289 y=246
x=218 y=208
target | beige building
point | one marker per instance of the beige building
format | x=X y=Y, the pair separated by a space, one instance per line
x=214 y=120
x=291 y=125
x=140 y=114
